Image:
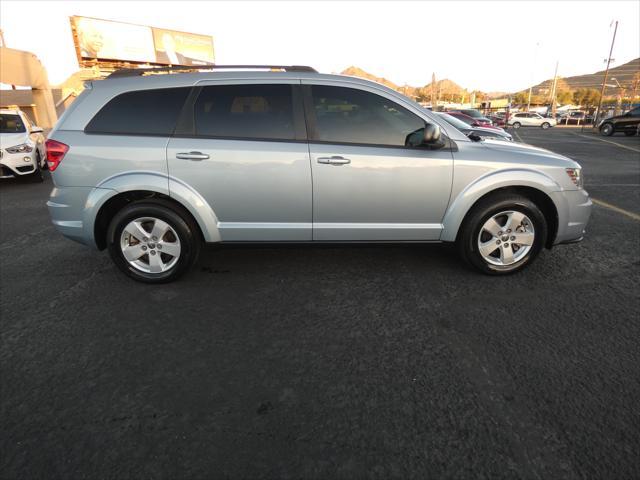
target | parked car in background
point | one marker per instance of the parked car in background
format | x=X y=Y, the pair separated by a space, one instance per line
x=498 y=121
x=22 y=146
x=575 y=118
x=530 y=119
x=476 y=115
x=481 y=132
x=628 y=123
x=474 y=122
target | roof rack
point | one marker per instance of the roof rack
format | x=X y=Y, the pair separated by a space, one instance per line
x=138 y=72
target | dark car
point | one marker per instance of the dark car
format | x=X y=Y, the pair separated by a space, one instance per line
x=476 y=115
x=474 y=122
x=629 y=123
x=575 y=118
x=497 y=121
x=469 y=130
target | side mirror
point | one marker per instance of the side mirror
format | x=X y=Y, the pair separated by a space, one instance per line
x=429 y=136
x=432 y=133
x=36 y=130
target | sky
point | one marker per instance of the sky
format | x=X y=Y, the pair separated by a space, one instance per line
x=488 y=46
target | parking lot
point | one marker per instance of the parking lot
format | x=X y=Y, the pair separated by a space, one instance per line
x=327 y=362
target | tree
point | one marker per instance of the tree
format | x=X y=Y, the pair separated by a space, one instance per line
x=564 y=96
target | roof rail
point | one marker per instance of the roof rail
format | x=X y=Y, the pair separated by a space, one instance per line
x=138 y=72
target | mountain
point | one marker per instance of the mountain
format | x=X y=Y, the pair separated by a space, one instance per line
x=444 y=86
x=358 y=72
x=627 y=75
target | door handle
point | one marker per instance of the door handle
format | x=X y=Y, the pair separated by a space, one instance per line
x=192 y=156
x=335 y=160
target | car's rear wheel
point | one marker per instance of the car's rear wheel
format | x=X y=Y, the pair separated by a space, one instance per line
x=502 y=234
x=152 y=241
x=545 y=125
x=606 y=129
x=516 y=125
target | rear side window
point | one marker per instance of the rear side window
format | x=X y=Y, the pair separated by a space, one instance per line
x=254 y=112
x=142 y=112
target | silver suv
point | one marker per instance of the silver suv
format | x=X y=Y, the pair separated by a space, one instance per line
x=152 y=163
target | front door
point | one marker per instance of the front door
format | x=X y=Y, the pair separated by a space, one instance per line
x=367 y=185
x=245 y=153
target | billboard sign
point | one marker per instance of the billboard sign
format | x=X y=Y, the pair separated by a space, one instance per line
x=105 y=41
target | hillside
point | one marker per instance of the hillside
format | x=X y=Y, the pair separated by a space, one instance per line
x=444 y=86
x=358 y=72
x=627 y=75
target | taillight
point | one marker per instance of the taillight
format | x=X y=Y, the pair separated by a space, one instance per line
x=55 y=153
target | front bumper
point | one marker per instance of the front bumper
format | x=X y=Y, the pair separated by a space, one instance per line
x=574 y=210
x=17 y=164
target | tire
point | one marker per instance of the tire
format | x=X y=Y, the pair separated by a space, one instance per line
x=473 y=233
x=630 y=134
x=607 y=129
x=545 y=125
x=516 y=125
x=36 y=176
x=181 y=236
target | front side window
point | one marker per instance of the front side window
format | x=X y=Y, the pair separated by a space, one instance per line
x=259 y=112
x=348 y=115
x=141 y=112
x=10 y=123
x=635 y=112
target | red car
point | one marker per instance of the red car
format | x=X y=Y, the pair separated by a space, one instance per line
x=474 y=122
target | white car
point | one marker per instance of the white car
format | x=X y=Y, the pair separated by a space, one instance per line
x=530 y=119
x=22 y=147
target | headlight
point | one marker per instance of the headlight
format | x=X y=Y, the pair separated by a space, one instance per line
x=575 y=174
x=22 y=148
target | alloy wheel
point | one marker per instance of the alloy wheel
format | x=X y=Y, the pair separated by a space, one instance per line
x=150 y=245
x=506 y=238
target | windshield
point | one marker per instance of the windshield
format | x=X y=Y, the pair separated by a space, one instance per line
x=459 y=124
x=11 y=124
x=472 y=113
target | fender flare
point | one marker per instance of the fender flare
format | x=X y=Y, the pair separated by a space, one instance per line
x=156 y=182
x=513 y=177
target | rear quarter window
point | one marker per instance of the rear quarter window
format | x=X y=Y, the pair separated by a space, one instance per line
x=141 y=112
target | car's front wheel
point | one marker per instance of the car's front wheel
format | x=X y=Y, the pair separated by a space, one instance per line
x=502 y=234
x=36 y=176
x=153 y=241
x=545 y=125
x=606 y=129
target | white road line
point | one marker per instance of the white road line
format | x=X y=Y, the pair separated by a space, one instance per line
x=609 y=141
x=515 y=132
x=629 y=214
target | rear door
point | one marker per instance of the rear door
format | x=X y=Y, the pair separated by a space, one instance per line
x=243 y=148
x=367 y=185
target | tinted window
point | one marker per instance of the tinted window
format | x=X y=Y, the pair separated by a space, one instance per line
x=143 y=112
x=347 y=115
x=11 y=124
x=635 y=112
x=245 y=111
x=520 y=115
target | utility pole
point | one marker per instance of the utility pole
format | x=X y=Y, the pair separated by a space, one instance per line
x=535 y=57
x=433 y=92
x=606 y=73
x=553 y=91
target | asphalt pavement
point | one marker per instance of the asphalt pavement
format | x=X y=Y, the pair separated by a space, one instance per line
x=327 y=362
